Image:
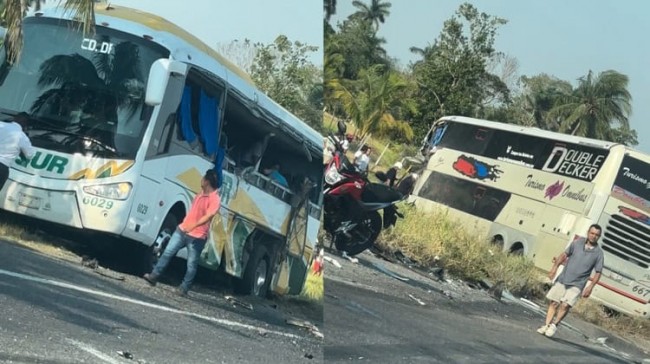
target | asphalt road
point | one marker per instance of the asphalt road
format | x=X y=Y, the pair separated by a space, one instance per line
x=54 y=311
x=380 y=312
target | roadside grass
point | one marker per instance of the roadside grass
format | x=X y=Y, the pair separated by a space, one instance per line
x=433 y=239
x=19 y=232
x=633 y=328
x=9 y=227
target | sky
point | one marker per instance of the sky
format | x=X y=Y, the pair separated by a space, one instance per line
x=222 y=21
x=558 y=37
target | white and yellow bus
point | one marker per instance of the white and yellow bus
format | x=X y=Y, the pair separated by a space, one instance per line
x=127 y=121
x=535 y=191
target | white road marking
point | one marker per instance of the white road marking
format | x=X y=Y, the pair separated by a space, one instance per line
x=94 y=352
x=219 y=321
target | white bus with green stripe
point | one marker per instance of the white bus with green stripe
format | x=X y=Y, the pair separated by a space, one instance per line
x=126 y=121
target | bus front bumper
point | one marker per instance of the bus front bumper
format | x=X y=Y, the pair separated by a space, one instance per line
x=59 y=207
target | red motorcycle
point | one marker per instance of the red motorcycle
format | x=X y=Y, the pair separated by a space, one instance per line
x=352 y=203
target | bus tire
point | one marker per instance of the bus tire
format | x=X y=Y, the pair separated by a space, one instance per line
x=156 y=249
x=517 y=249
x=255 y=280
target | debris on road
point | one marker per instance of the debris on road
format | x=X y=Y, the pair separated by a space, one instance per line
x=306 y=325
x=497 y=290
x=507 y=295
x=438 y=272
x=309 y=356
x=389 y=273
x=333 y=261
x=93 y=264
x=89 y=262
x=108 y=273
x=417 y=300
x=125 y=354
x=530 y=303
x=240 y=303
x=448 y=294
x=352 y=259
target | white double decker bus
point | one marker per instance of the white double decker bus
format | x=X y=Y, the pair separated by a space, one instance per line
x=535 y=191
x=127 y=121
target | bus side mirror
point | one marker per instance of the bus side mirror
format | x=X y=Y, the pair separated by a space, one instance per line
x=159 y=74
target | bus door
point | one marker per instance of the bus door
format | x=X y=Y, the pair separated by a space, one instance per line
x=148 y=191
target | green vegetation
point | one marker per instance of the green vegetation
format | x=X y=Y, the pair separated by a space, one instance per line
x=432 y=239
x=12 y=13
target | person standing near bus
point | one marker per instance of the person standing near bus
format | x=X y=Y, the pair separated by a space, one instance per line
x=191 y=233
x=391 y=174
x=13 y=142
x=361 y=159
x=580 y=259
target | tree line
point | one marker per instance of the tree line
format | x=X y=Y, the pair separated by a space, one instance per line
x=459 y=73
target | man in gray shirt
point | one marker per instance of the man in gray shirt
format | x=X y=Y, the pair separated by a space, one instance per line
x=580 y=258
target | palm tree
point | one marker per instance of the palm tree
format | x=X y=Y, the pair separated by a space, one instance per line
x=330 y=8
x=595 y=107
x=99 y=87
x=13 y=12
x=379 y=102
x=376 y=13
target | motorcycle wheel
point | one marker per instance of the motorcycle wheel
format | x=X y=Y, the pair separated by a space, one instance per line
x=362 y=236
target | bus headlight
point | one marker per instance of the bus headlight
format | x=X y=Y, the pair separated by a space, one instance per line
x=115 y=191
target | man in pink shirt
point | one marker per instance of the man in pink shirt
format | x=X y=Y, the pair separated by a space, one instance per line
x=191 y=233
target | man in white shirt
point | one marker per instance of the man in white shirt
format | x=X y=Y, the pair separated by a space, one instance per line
x=13 y=141
x=361 y=159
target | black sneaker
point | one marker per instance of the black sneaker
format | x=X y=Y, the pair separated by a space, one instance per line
x=150 y=279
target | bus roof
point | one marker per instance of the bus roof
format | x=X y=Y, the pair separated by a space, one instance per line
x=531 y=131
x=175 y=39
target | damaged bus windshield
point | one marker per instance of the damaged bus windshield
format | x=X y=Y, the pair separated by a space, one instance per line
x=85 y=94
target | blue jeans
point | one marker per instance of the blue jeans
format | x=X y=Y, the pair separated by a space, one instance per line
x=178 y=241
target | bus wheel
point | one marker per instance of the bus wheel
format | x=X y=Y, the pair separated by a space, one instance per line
x=158 y=247
x=255 y=280
x=517 y=250
x=497 y=240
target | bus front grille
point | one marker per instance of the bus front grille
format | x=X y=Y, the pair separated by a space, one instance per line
x=627 y=239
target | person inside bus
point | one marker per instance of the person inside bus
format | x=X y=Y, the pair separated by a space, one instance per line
x=191 y=233
x=273 y=172
x=252 y=155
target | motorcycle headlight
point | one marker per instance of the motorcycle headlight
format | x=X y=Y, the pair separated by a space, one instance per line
x=115 y=191
x=332 y=176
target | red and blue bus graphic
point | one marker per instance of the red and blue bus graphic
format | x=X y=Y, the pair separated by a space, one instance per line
x=634 y=215
x=473 y=168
